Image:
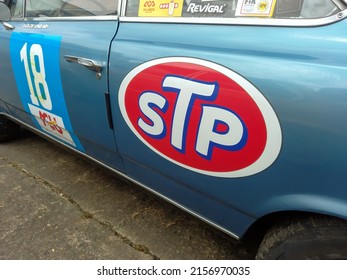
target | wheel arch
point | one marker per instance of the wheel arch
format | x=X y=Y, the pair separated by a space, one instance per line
x=256 y=232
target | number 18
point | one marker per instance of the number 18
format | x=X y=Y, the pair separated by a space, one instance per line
x=36 y=70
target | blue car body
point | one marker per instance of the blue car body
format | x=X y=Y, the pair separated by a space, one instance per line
x=232 y=119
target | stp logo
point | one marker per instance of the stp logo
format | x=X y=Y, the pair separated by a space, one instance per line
x=201 y=116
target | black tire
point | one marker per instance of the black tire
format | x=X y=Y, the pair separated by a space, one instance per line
x=315 y=238
x=8 y=129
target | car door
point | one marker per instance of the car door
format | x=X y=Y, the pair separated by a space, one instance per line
x=234 y=109
x=55 y=68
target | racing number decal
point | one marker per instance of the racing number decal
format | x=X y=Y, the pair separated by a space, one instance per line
x=40 y=86
x=201 y=116
x=37 y=68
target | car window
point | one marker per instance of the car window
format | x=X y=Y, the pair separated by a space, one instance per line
x=16 y=7
x=63 y=8
x=42 y=8
x=232 y=8
x=89 y=7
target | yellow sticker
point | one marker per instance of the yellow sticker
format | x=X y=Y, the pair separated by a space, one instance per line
x=255 y=8
x=160 y=8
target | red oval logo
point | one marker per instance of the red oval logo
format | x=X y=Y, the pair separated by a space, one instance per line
x=201 y=116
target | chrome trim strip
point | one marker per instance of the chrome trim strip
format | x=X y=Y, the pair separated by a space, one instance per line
x=341 y=5
x=124 y=4
x=120 y=6
x=36 y=131
x=295 y=22
x=88 y=18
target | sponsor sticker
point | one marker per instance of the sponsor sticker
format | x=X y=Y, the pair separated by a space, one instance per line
x=201 y=116
x=51 y=123
x=206 y=8
x=255 y=8
x=160 y=8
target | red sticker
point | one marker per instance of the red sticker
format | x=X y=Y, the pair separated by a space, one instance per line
x=201 y=116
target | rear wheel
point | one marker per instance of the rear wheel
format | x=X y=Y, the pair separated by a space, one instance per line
x=314 y=237
x=8 y=129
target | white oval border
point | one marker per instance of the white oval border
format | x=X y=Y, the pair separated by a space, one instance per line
x=274 y=133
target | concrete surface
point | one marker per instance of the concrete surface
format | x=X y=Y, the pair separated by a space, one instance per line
x=56 y=205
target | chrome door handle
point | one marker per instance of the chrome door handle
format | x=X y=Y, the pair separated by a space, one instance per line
x=89 y=63
x=8 y=26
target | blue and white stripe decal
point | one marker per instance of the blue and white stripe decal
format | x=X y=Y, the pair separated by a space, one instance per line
x=35 y=62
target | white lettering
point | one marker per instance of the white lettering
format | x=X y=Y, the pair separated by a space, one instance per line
x=187 y=90
x=208 y=134
x=206 y=8
x=146 y=101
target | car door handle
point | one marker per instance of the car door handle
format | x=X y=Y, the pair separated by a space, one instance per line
x=8 y=26
x=89 y=63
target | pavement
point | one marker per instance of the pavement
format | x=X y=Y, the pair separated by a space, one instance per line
x=55 y=205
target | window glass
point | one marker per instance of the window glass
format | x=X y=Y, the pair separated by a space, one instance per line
x=89 y=7
x=16 y=7
x=70 y=8
x=232 y=8
x=42 y=8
